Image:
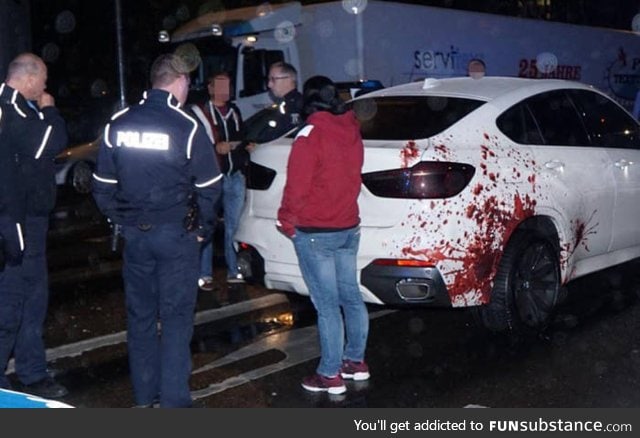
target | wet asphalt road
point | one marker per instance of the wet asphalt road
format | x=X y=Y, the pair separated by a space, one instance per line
x=252 y=347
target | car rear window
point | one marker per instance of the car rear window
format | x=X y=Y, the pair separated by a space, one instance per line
x=409 y=117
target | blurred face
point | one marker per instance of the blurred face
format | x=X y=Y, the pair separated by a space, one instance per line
x=280 y=83
x=220 y=89
x=475 y=69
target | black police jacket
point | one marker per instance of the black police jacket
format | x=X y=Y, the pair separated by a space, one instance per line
x=31 y=137
x=151 y=158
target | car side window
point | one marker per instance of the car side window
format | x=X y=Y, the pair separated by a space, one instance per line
x=518 y=124
x=608 y=125
x=558 y=119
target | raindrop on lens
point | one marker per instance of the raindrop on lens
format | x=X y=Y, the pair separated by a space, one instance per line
x=635 y=23
x=65 y=22
x=169 y=22
x=546 y=62
x=98 y=88
x=263 y=9
x=284 y=32
x=190 y=57
x=354 y=6
x=365 y=109
x=351 y=67
x=50 y=52
x=324 y=28
x=182 y=13
x=211 y=6
x=437 y=103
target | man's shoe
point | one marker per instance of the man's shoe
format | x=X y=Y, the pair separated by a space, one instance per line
x=320 y=383
x=205 y=283
x=357 y=371
x=46 y=388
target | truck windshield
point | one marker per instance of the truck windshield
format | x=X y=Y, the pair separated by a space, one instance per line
x=409 y=117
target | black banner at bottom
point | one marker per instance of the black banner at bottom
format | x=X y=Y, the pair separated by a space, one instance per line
x=310 y=423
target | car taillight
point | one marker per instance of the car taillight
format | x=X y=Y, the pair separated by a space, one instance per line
x=404 y=263
x=427 y=179
x=259 y=177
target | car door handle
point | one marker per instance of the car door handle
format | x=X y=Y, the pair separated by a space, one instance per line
x=622 y=163
x=554 y=165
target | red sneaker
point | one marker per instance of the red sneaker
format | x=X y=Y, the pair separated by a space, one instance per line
x=354 y=370
x=320 y=383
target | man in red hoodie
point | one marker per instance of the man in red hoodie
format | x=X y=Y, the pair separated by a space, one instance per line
x=319 y=212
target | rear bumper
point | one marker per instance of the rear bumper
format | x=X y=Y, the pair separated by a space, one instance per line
x=406 y=285
x=391 y=285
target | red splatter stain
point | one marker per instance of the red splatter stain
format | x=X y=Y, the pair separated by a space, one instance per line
x=486 y=136
x=477 y=189
x=492 y=176
x=409 y=153
x=485 y=152
x=581 y=232
x=479 y=256
x=442 y=149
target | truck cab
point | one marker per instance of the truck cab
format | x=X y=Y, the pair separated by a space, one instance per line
x=244 y=42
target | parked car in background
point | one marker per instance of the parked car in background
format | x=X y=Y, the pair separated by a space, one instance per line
x=74 y=166
x=489 y=193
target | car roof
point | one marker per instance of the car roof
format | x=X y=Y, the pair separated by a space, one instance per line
x=485 y=89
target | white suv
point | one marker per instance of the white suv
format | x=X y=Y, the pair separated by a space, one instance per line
x=490 y=193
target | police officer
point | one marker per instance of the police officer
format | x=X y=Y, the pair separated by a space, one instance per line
x=153 y=158
x=33 y=133
x=282 y=83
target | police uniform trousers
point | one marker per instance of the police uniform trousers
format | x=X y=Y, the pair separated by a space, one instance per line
x=160 y=275
x=29 y=351
x=24 y=296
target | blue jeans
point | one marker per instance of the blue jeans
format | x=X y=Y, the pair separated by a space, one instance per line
x=328 y=265
x=160 y=274
x=233 y=194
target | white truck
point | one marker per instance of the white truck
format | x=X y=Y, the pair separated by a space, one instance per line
x=396 y=43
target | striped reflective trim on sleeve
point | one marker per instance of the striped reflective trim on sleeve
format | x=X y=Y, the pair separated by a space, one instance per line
x=208 y=183
x=105 y=136
x=105 y=180
x=20 y=238
x=119 y=113
x=45 y=139
x=191 y=119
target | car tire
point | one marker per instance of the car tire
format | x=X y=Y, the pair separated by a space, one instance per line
x=81 y=177
x=526 y=287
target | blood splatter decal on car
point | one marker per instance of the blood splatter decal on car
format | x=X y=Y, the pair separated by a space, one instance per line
x=581 y=230
x=408 y=154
